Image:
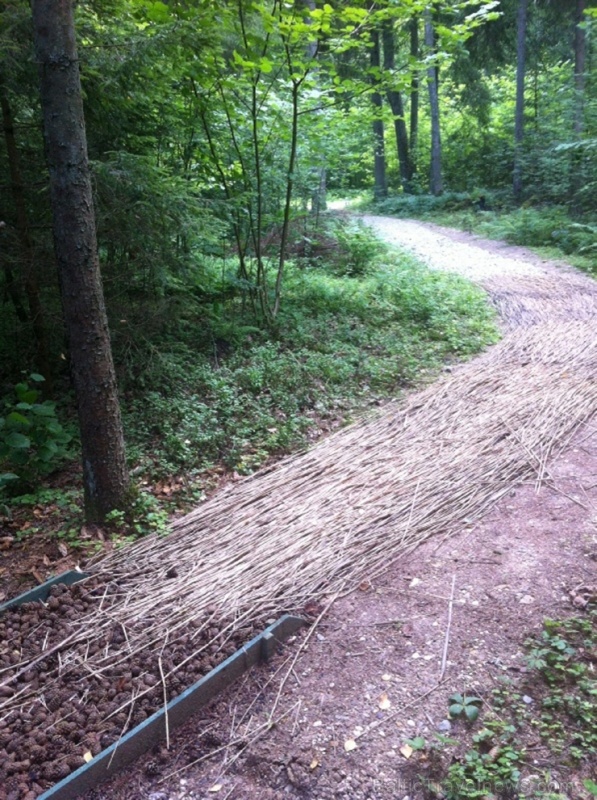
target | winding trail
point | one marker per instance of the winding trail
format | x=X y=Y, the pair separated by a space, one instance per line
x=323 y=520
x=421 y=476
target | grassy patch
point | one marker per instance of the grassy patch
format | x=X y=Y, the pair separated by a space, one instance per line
x=342 y=343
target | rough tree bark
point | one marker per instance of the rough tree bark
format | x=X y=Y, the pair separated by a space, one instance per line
x=521 y=36
x=397 y=106
x=380 y=188
x=104 y=465
x=435 y=177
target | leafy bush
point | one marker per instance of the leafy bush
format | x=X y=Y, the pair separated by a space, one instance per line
x=32 y=441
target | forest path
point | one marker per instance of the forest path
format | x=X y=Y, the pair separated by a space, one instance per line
x=487 y=480
x=342 y=511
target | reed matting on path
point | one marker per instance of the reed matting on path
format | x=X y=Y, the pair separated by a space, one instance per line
x=324 y=520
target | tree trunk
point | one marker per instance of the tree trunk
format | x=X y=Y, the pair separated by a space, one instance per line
x=435 y=182
x=414 y=94
x=104 y=465
x=397 y=106
x=580 y=59
x=380 y=189
x=521 y=35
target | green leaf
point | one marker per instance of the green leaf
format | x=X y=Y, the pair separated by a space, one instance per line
x=472 y=700
x=456 y=709
x=35 y=376
x=18 y=419
x=47 y=451
x=471 y=712
x=18 y=441
x=418 y=743
x=46 y=409
x=265 y=65
x=25 y=394
x=456 y=698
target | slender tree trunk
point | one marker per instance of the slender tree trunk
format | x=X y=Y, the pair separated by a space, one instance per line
x=288 y=199
x=580 y=65
x=414 y=94
x=435 y=182
x=397 y=106
x=104 y=464
x=27 y=255
x=521 y=35
x=380 y=189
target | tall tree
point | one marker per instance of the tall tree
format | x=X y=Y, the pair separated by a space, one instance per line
x=521 y=35
x=104 y=464
x=414 y=93
x=380 y=189
x=396 y=104
x=435 y=180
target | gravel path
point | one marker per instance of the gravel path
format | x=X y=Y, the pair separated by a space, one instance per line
x=449 y=250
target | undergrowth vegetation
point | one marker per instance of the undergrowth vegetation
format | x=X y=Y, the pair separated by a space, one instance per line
x=359 y=323
x=207 y=386
x=535 y=736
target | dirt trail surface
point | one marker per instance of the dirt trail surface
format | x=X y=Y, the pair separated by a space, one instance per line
x=486 y=480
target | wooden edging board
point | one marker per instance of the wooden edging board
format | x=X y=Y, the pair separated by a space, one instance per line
x=144 y=736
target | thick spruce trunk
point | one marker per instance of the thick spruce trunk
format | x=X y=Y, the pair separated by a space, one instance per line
x=104 y=464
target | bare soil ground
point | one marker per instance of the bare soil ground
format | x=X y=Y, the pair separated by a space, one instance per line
x=330 y=717
x=370 y=670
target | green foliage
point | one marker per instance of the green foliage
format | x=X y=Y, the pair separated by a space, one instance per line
x=466 y=706
x=143 y=516
x=483 y=773
x=562 y=656
x=204 y=393
x=419 y=205
x=358 y=246
x=32 y=441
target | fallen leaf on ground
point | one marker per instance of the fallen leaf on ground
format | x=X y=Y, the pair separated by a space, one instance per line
x=88 y=756
x=217 y=787
x=406 y=750
x=314 y=764
x=384 y=702
x=63 y=549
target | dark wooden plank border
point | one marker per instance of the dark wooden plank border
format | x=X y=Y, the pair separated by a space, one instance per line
x=42 y=591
